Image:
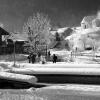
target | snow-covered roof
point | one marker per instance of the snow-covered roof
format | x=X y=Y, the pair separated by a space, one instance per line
x=72 y=36
x=3 y=31
x=61 y=30
x=88 y=19
x=18 y=37
x=53 y=32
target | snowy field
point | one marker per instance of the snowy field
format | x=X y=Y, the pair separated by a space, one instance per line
x=62 y=92
x=84 y=61
x=86 y=57
x=77 y=61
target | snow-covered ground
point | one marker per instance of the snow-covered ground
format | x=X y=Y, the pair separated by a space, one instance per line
x=61 y=92
x=83 y=89
x=78 y=58
x=82 y=63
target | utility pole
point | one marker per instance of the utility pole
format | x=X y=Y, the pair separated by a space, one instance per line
x=14 y=49
x=14 y=54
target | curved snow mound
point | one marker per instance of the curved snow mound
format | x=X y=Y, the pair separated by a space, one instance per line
x=18 y=77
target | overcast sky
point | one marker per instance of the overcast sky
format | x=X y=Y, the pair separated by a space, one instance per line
x=13 y=13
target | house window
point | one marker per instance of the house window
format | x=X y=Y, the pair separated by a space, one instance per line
x=84 y=26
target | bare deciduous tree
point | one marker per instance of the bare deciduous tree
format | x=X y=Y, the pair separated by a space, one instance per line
x=38 y=30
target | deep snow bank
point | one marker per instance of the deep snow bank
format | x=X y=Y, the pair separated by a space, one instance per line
x=18 y=77
x=64 y=69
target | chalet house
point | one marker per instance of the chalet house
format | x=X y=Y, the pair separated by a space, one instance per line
x=3 y=33
x=18 y=40
x=87 y=22
x=88 y=36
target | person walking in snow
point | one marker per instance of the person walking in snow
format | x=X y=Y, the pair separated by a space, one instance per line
x=29 y=58
x=54 y=58
x=49 y=53
x=33 y=58
x=48 y=56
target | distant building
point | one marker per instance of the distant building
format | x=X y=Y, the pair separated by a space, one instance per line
x=87 y=22
x=86 y=37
